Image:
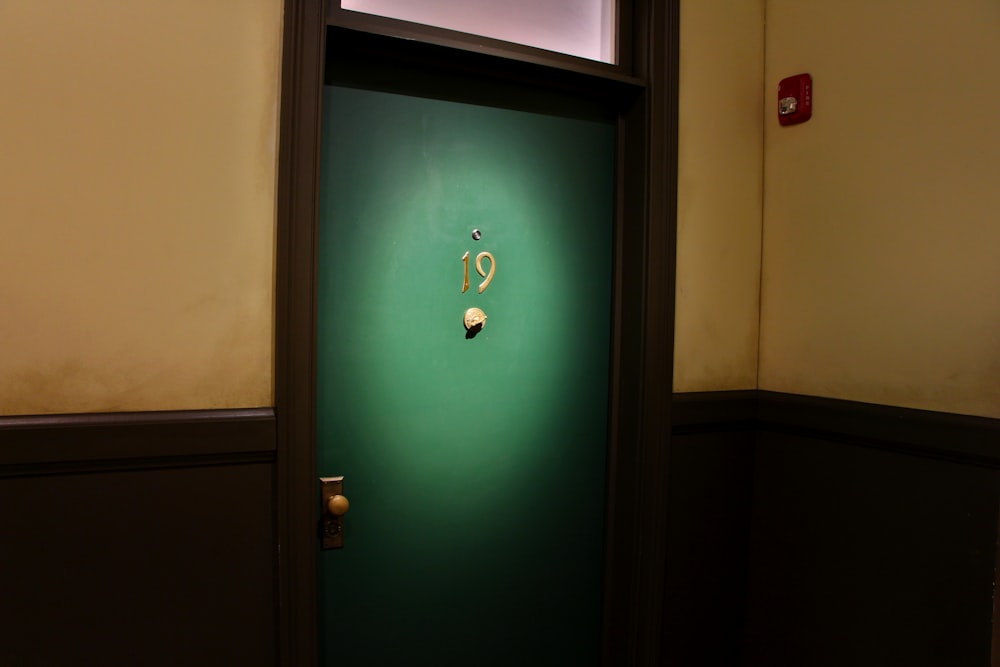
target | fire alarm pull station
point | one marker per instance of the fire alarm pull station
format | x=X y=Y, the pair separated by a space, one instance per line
x=795 y=99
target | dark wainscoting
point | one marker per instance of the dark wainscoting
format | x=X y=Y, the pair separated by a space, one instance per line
x=810 y=531
x=710 y=487
x=138 y=538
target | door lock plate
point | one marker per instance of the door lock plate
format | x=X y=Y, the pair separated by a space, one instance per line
x=334 y=506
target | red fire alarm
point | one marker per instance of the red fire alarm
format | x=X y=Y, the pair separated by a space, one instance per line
x=795 y=99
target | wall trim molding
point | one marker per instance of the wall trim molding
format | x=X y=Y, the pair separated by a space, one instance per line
x=69 y=443
x=711 y=411
x=941 y=435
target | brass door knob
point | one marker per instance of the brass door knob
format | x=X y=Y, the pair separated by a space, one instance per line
x=338 y=505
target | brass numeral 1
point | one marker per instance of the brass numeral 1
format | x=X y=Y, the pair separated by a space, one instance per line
x=479 y=269
x=465 y=284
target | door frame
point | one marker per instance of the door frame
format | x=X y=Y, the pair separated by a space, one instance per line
x=643 y=316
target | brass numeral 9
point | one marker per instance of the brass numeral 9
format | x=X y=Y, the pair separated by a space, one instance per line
x=479 y=268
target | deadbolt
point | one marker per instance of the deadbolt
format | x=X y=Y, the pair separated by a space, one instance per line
x=473 y=318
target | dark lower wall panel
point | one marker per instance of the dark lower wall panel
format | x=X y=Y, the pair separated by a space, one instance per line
x=867 y=557
x=709 y=530
x=811 y=531
x=138 y=539
x=150 y=567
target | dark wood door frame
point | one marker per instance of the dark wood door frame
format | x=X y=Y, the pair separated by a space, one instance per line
x=645 y=99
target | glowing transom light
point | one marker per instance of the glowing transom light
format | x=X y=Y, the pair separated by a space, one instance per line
x=582 y=28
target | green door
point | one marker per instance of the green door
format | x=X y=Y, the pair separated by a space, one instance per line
x=474 y=460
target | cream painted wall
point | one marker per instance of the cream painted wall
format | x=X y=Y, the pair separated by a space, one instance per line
x=881 y=254
x=137 y=199
x=719 y=194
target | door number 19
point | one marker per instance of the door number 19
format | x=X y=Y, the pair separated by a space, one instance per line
x=479 y=269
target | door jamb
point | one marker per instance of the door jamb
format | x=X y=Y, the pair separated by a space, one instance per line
x=643 y=320
x=297 y=211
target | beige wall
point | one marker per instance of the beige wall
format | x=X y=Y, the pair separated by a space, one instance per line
x=137 y=186
x=881 y=254
x=881 y=216
x=137 y=176
x=719 y=194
